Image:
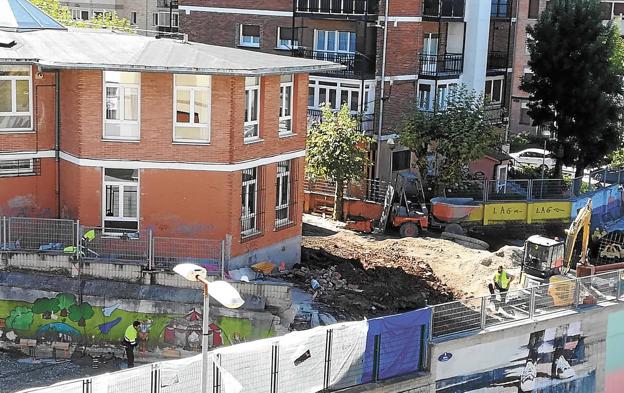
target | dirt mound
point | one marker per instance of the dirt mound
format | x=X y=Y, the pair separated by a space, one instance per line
x=355 y=290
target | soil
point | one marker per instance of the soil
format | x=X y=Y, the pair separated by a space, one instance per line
x=374 y=275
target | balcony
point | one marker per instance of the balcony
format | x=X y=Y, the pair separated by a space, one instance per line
x=357 y=65
x=366 y=121
x=495 y=115
x=497 y=60
x=501 y=9
x=441 y=66
x=336 y=8
x=436 y=9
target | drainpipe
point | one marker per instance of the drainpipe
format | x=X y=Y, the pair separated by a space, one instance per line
x=383 y=84
x=57 y=140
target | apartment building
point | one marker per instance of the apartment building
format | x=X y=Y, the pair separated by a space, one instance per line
x=420 y=49
x=527 y=13
x=130 y=133
x=147 y=16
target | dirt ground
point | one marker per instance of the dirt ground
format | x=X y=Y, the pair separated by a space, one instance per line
x=372 y=275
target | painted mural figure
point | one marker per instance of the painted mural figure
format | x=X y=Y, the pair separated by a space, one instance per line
x=144 y=328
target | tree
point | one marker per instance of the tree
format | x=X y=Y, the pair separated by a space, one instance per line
x=63 y=15
x=337 y=151
x=20 y=318
x=65 y=301
x=80 y=313
x=46 y=307
x=457 y=134
x=576 y=86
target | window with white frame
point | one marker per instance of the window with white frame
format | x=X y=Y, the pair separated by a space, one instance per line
x=133 y=17
x=334 y=41
x=161 y=19
x=285 y=38
x=494 y=91
x=286 y=104
x=335 y=94
x=252 y=109
x=78 y=14
x=15 y=98
x=282 y=194
x=249 y=202
x=17 y=167
x=121 y=200
x=444 y=91
x=192 y=108
x=249 y=36
x=122 y=105
x=155 y=19
x=424 y=97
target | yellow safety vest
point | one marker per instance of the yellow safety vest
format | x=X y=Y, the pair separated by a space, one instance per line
x=131 y=334
x=502 y=279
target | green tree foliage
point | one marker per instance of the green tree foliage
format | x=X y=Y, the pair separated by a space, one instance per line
x=456 y=134
x=616 y=158
x=337 y=151
x=62 y=15
x=46 y=307
x=65 y=301
x=576 y=85
x=79 y=313
x=20 y=318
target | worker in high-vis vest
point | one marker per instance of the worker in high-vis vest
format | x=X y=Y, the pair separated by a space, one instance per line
x=130 y=341
x=502 y=281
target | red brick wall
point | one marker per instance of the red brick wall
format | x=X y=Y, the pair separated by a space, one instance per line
x=30 y=196
x=81 y=194
x=273 y=5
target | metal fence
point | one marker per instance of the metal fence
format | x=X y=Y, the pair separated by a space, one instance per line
x=94 y=244
x=478 y=313
x=372 y=190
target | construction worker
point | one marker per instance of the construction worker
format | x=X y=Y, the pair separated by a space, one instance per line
x=130 y=341
x=502 y=281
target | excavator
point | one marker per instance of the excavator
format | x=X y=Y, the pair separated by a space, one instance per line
x=550 y=260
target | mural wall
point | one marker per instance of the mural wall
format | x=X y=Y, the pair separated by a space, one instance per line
x=63 y=318
x=614 y=382
x=553 y=360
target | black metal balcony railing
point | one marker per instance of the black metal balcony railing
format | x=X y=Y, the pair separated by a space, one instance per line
x=356 y=64
x=366 y=121
x=444 y=8
x=497 y=60
x=495 y=114
x=501 y=9
x=441 y=65
x=338 y=7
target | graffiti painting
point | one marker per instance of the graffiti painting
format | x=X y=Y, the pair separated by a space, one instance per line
x=546 y=361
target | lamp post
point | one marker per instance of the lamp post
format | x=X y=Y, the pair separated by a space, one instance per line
x=222 y=292
x=391 y=146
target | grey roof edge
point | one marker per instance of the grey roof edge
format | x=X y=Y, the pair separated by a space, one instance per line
x=179 y=70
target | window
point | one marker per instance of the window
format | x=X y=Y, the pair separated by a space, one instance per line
x=338 y=93
x=285 y=38
x=424 y=97
x=121 y=105
x=15 y=98
x=17 y=168
x=526 y=44
x=525 y=119
x=494 y=91
x=444 y=91
x=250 y=203
x=162 y=19
x=249 y=36
x=133 y=17
x=335 y=41
x=252 y=110
x=286 y=104
x=121 y=200
x=533 y=9
x=192 y=108
x=605 y=10
x=282 y=194
x=401 y=160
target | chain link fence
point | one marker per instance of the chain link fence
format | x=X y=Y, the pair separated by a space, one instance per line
x=94 y=244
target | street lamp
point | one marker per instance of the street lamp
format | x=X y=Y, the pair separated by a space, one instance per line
x=222 y=292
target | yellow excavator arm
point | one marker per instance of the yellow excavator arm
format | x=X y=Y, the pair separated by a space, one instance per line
x=581 y=223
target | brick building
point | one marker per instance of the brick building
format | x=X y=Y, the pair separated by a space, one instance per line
x=131 y=133
x=527 y=14
x=420 y=48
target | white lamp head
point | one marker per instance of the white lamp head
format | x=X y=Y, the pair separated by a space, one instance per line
x=225 y=294
x=190 y=271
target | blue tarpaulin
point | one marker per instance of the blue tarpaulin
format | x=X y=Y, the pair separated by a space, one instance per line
x=400 y=344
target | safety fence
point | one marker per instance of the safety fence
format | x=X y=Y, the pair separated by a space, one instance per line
x=567 y=294
x=94 y=244
x=372 y=190
x=322 y=359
